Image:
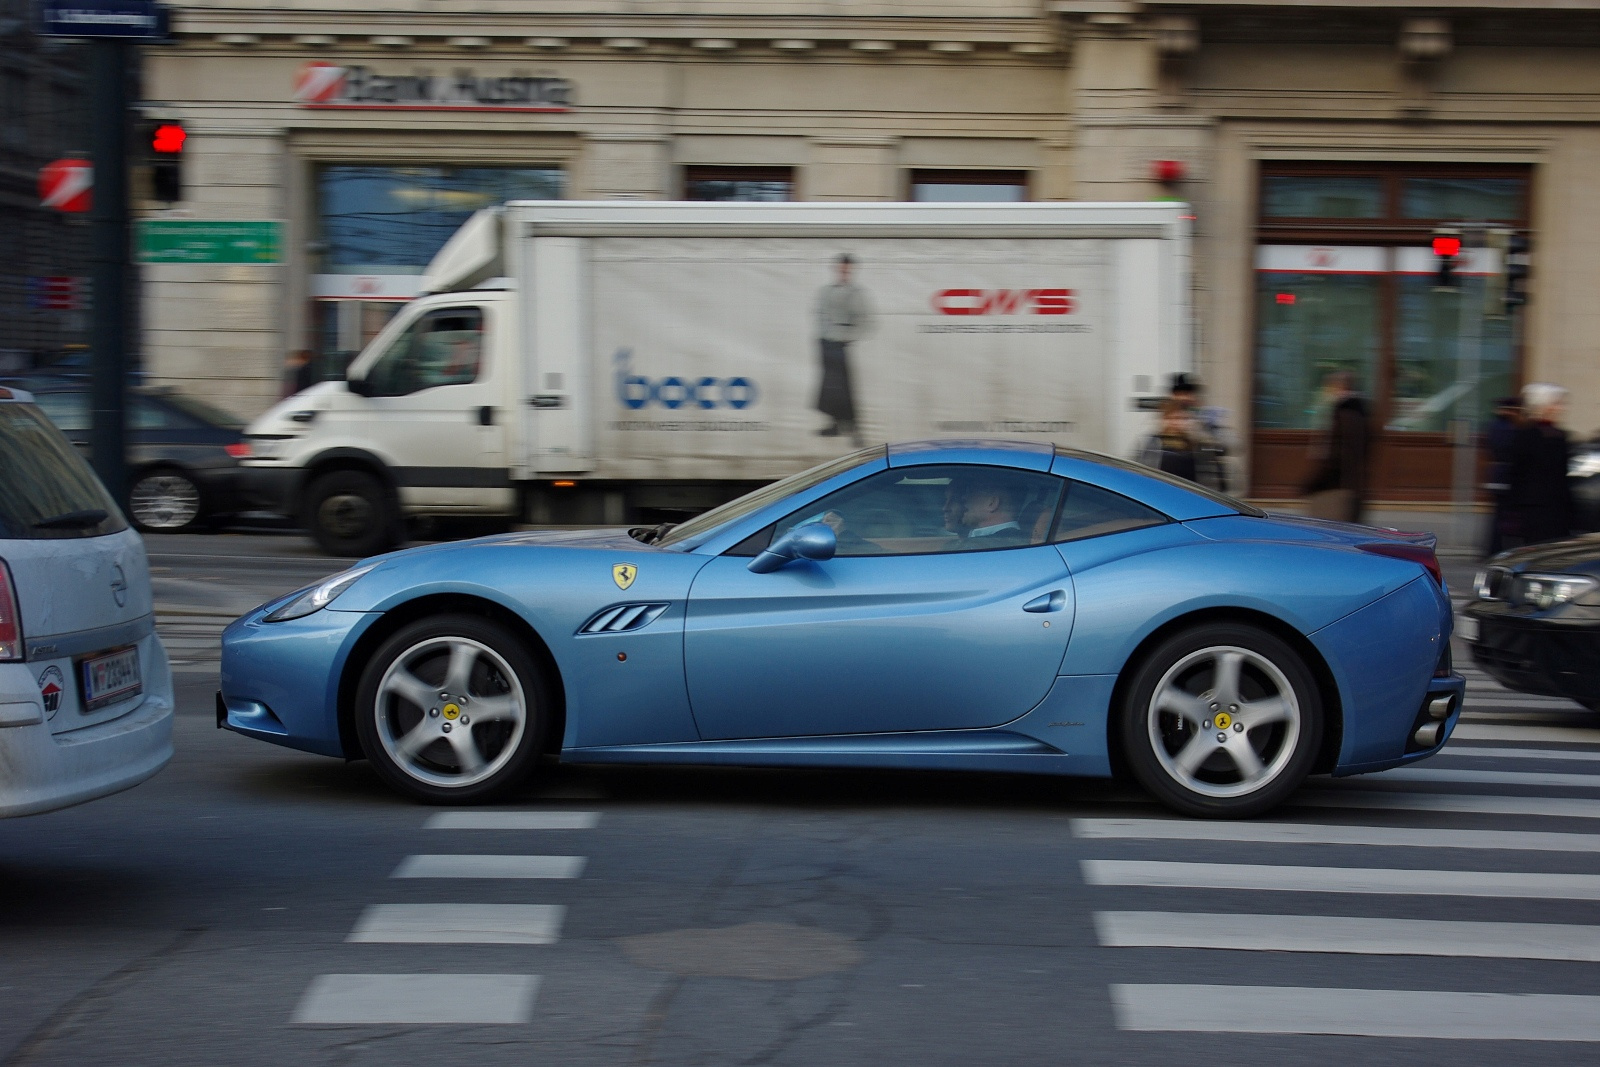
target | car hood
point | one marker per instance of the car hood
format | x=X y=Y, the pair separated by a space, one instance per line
x=1580 y=555
x=276 y=420
x=609 y=539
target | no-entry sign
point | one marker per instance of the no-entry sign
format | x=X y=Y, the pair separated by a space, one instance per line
x=66 y=184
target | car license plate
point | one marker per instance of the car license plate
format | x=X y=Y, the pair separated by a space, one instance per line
x=1466 y=627
x=111 y=678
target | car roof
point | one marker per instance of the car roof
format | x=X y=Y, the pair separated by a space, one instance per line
x=998 y=451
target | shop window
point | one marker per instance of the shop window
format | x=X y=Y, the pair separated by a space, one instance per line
x=1309 y=325
x=1484 y=199
x=759 y=184
x=1304 y=196
x=969 y=186
x=391 y=220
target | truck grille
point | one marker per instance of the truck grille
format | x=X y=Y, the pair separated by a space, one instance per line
x=620 y=618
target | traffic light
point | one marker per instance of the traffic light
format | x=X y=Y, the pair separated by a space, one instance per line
x=1446 y=258
x=166 y=160
x=1516 y=268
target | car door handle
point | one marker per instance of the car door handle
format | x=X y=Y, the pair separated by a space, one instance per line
x=547 y=400
x=1054 y=600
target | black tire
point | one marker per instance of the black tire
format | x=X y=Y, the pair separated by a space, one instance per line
x=432 y=768
x=352 y=513
x=165 y=500
x=1187 y=671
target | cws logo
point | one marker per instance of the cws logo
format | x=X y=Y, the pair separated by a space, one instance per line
x=635 y=391
x=50 y=686
x=1004 y=302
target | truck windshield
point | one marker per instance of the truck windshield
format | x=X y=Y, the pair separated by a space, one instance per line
x=47 y=490
x=739 y=507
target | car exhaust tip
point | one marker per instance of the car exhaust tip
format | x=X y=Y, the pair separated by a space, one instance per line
x=1427 y=735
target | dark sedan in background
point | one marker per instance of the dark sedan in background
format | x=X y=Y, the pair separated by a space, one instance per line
x=183 y=455
x=1534 y=624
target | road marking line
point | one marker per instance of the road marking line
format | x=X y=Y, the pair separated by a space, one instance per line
x=459 y=924
x=1227 y=1009
x=454 y=866
x=1473 y=731
x=1375 y=880
x=1317 y=834
x=513 y=820
x=1446 y=774
x=409 y=999
x=1554 y=807
x=1581 y=755
x=1348 y=935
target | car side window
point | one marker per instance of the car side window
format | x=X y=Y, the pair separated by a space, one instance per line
x=444 y=347
x=1089 y=511
x=68 y=410
x=145 y=414
x=908 y=511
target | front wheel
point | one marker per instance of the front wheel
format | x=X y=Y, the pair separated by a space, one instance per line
x=1222 y=721
x=165 y=499
x=451 y=710
x=349 y=513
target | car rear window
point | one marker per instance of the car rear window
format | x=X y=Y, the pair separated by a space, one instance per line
x=46 y=489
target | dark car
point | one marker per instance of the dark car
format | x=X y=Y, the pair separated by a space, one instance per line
x=183 y=455
x=1534 y=624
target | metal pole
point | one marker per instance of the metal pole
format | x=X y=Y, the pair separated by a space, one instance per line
x=108 y=242
x=1468 y=354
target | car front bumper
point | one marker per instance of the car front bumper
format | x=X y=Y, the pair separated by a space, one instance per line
x=271 y=489
x=1560 y=659
x=42 y=771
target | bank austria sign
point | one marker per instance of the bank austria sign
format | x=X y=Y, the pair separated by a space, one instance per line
x=330 y=85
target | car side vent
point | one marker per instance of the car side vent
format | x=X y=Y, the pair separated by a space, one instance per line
x=620 y=618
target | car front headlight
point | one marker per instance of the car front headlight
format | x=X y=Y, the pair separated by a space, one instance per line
x=314 y=598
x=1549 y=590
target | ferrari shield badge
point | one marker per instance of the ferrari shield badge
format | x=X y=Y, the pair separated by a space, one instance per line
x=624 y=574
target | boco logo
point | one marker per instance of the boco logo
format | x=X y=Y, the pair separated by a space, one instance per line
x=1004 y=302
x=635 y=391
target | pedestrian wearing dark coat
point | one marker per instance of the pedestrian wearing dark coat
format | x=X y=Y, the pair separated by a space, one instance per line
x=1337 y=488
x=1540 y=495
x=1497 y=442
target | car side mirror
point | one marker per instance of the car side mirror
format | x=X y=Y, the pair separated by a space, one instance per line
x=359 y=386
x=814 y=540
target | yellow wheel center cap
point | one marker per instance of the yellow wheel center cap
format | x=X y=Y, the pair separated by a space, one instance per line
x=451 y=711
x=1224 y=720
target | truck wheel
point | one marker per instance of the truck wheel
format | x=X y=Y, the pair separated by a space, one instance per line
x=349 y=513
x=1223 y=720
x=451 y=710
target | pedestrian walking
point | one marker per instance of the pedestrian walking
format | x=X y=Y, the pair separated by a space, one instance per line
x=1205 y=431
x=1173 y=448
x=1337 y=488
x=844 y=316
x=1540 y=496
x=299 y=372
x=1497 y=442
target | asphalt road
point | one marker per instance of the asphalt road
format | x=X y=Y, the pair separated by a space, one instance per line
x=251 y=905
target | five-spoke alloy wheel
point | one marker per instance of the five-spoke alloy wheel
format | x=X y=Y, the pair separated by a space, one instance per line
x=1222 y=720
x=452 y=709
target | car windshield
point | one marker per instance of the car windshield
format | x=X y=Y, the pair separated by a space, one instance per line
x=201 y=410
x=704 y=523
x=48 y=491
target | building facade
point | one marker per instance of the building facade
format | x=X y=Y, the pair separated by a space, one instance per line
x=1321 y=145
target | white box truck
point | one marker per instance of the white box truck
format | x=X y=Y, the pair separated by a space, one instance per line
x=639 y=361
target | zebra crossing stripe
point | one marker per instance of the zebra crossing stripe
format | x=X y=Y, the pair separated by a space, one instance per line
x=1357 y=1012
x=1460 y=777
x=490 y=866
x=459 y=924
x=1570 y=754
x=1319 y=834
x=1367 y=880
x=1552 y=807
x=513 y=820
x=1483 y=731
x=416 y=999
x=1349 y=935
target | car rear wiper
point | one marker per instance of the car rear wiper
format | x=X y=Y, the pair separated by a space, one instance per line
x=72 y=520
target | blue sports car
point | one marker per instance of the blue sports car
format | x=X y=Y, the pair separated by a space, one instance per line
x=990 y=605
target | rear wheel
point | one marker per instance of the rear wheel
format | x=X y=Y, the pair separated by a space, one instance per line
x=164 y=499
x=1222 y=720
x=451 y=710
x=350 y=513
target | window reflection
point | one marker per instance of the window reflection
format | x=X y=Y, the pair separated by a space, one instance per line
x=1309 y=325
x=1321 y=196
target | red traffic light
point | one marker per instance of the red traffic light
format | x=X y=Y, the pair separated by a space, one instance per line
x=1447 y=246
x=168 y=138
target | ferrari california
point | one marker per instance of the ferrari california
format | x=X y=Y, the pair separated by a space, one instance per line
x=988 y=605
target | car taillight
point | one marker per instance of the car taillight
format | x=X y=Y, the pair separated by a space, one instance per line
x=240 y=450
x=10 y=617
x=1415 y=553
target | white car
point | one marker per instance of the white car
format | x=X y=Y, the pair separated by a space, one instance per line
x=85 y=688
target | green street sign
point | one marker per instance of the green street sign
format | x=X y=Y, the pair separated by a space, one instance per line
x=191 y=241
